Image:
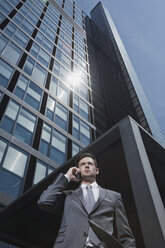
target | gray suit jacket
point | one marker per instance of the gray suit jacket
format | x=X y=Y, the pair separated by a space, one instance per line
x=108 y=216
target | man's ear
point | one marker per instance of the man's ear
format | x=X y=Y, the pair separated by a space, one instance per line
x=97 y=171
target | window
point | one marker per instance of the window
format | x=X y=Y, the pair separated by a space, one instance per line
x=53 y=16
x=53 y=144
x=37 y=72
x=36 y=10
x=66 y=30
x=3 y=145
x=81 y=131
x=79 y=37
x=23 y=23
x=28 y=91
x=5 y=73
x=21 y=38
x=29 y=15
x=63 y=58
x=83 y=109
x=27 y=27
x=40 y=54
x=42 y=170
x=44 y=42
x=65 y=48
x=63 y=94
x=49 y=33
x=75 y=148
x=80 y=107
x=53 y=85
x=76 y=127
x=82 y=74
x=10 y=29
x=61 y=116
x=24 y=129
x=61 y=72
x=58 y=147
x=65 y=38
x=57 y=113
x=40 y=4
x=83 y=91
x=54 y=11
x=45 y=140
x=12 y=171
x=18 y=165
x=84 y=133
x=79 y=51
x=50 y=108
x=48 y=22
x=19 y=122
x=80 y=62
x=2 y=17
x=12 y=52
x=5 y=7
x=10 y=116
x=3 y=42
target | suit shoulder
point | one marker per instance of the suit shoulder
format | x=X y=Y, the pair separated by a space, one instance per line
x=113 y=194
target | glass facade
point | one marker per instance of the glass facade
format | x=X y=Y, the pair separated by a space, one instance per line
x=44 y=90
x=51 y=101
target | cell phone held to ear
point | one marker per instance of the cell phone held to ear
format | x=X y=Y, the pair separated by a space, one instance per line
x=78 y=175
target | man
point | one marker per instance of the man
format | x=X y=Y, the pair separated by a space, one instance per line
x=92 y=216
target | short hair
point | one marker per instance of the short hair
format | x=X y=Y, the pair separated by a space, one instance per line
x=84 y=155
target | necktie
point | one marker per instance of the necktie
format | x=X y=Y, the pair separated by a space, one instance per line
x=89 y=199
x=89 y=204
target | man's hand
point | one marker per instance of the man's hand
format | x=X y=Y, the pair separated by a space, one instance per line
x=72 y=172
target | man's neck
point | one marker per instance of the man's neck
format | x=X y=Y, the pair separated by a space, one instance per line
x=88 y=182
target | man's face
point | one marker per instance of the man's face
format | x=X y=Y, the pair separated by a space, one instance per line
x=87 y=168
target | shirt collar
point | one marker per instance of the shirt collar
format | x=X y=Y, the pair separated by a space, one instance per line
x=94 y=185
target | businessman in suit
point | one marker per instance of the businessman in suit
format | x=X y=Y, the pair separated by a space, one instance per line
x=91 y=216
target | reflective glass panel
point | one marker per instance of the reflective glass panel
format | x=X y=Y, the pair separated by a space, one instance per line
x=61 y=116
x=63 y=94
x=40 y=171
x=18 y=164
x=3 y=145
x=5 y=73
x=24 y=129
x=45 y=140
x=58 y=147
x=53 y=85
x=12 y=53
x=10 y=116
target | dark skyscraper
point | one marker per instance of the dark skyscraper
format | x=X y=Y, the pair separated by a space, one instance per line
x=113 y=78
x=65 y=80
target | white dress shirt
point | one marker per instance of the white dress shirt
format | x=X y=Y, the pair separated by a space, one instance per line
x=95 y=189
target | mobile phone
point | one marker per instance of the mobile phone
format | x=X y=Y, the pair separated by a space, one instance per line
x=78 y=175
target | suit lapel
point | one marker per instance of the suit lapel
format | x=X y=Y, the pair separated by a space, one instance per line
x=102 y=194
x=78 y=197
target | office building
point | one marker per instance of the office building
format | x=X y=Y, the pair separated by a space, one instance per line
x=117 y=91
x=46 y=102
x=65 y=80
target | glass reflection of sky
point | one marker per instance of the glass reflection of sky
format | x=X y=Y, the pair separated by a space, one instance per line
x=75 y=78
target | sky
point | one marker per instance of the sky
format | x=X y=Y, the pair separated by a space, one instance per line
x=140 y=25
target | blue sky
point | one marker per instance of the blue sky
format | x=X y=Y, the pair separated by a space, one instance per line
x=141 y=27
